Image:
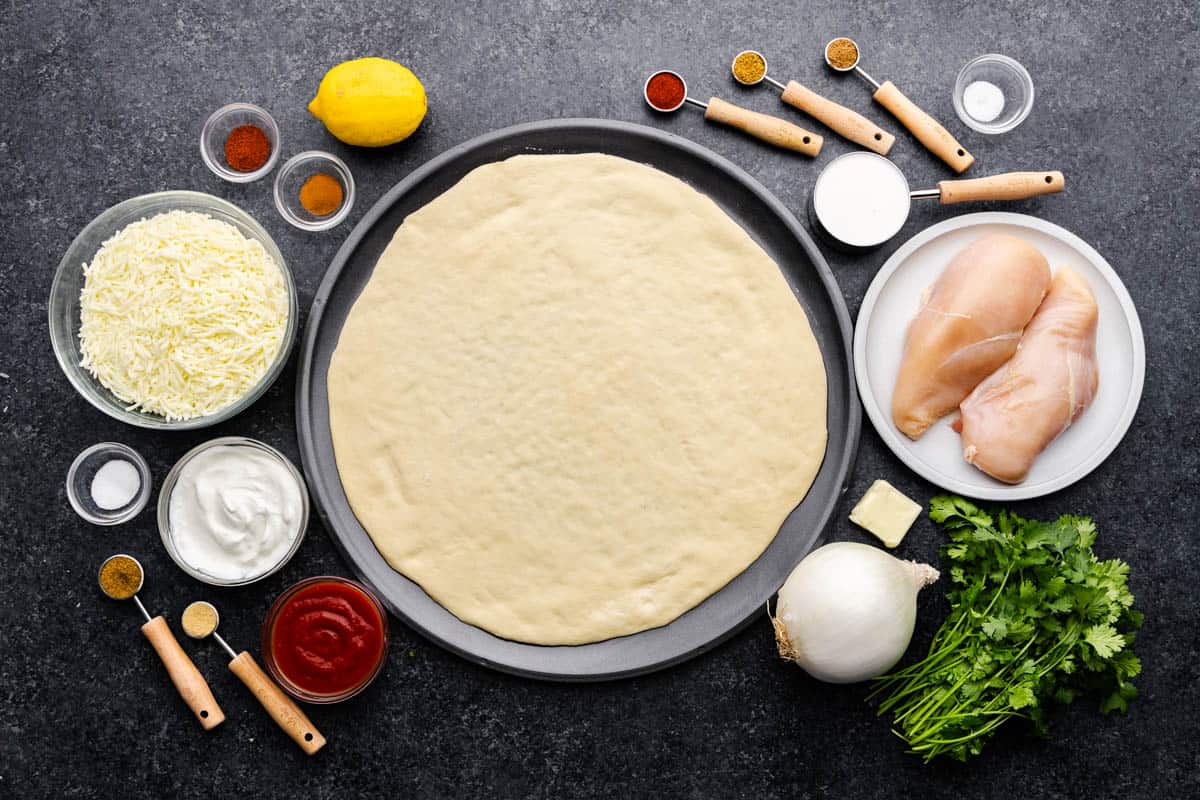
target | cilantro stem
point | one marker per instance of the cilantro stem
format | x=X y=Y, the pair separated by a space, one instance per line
x=963 y=704
x=1033 y=618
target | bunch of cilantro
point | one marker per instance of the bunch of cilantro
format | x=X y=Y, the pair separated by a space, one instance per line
x=1035 y=618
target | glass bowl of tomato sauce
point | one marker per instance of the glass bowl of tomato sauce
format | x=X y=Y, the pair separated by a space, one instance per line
x=325 y=639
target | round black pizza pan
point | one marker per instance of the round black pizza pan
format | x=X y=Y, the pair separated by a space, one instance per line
x=767 y=221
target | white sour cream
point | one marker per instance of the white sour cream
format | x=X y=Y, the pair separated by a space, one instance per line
x=234 y=512
x=861 y=198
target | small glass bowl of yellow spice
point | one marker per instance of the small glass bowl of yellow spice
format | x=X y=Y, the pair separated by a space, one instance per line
x=314 y=190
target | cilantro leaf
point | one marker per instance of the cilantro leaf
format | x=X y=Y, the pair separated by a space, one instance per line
x=1119 y=700
x=1034 y=617
x=994 y=628
x=1021 y=696
x=1104 y=639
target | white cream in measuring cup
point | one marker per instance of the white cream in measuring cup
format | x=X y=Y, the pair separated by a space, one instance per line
x=235 y=511
x=861 y=199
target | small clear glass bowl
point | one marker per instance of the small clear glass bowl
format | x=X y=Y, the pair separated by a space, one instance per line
x=69 y=280
x=216 y=129
x=292 y=175
x=82 y=472
x=268 y=642
x=1012 y=79
x=164 y=510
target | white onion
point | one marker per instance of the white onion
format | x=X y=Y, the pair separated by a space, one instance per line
x=846 y=613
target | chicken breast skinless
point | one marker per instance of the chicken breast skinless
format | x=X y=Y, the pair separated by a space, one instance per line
x=1014 y=414
x=969 y=324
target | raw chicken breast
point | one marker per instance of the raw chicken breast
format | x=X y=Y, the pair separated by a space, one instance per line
x=1025 y=405
x=969 y=324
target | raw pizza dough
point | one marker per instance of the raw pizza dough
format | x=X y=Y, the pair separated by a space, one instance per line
x=575 y=399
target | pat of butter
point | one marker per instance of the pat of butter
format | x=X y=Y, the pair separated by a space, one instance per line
x=886 y=512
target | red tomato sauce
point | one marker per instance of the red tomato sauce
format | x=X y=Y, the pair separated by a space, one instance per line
x=328 y=638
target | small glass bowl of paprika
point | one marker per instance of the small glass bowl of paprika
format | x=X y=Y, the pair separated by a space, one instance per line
x=314 y=190
x=325 y=639
x=240 y=142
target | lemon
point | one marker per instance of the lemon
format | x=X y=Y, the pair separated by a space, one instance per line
x=370 y=102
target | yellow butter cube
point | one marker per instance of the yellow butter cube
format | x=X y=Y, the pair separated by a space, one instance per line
x=886 y=512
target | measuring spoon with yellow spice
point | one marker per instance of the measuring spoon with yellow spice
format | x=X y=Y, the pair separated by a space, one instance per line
x=200 y=620
x=750 y=69
x=121 y=578
x=842 y=55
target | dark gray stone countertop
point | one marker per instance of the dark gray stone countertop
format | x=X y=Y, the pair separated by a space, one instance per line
x=104 y=101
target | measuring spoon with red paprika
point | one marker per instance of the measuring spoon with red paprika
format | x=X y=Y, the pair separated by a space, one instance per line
x=666 y=91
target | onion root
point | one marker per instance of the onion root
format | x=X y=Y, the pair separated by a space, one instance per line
x=786 y=651
x=923 y=574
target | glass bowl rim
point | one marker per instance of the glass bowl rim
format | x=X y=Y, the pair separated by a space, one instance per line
x=299 y=160
x=164 y=509
x=140 y=500
x=960 y=85
x=231 y=175
x=268 y=647
x=156 y=203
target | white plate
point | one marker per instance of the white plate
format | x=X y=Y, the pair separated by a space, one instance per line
x=892 y=301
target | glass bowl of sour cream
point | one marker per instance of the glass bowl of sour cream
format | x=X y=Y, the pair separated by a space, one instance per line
x=232 y=511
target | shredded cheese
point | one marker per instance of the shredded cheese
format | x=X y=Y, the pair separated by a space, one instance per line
x=181 y=314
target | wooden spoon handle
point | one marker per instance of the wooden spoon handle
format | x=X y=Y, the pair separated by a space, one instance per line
x=928 y=130
x=187 y=679
x=1006 y=186
x=838 y=118
x=282 y=709
x=773 y=130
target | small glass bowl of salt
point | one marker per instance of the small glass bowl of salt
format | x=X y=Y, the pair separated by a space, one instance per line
x=108 y=483
x=993 y=94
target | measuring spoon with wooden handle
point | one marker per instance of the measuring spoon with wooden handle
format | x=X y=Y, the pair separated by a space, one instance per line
x=841 y=120
x=772 y=130
x=200 y=619
x=928 y=130
x=187 y=679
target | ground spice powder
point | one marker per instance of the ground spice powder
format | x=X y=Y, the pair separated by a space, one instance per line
x=199 y=620
x=749 y=67
x=120 y=577
x=665 y=91
x=247 y=148
x=842 y=53
x=321 y=194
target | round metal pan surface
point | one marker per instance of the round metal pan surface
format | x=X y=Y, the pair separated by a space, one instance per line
x=767 y=221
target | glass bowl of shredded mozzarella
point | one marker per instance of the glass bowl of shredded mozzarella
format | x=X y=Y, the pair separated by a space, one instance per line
x=173 y=310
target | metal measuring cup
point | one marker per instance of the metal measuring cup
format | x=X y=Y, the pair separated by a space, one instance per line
x=860 y=200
